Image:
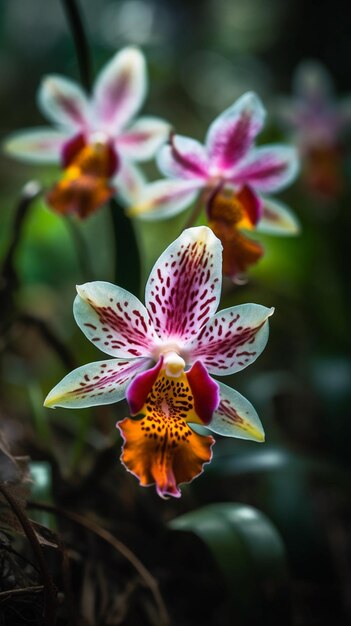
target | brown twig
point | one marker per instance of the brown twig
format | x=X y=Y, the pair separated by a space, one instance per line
x=105 y=535
x=50 y=594
x=9 y=593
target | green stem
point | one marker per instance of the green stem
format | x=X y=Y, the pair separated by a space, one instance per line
x=81 y=249
x=198 y=206
x=80 y=40
x=127 y=256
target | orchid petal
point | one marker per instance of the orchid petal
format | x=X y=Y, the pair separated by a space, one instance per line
x=183 y=158
x=232 y=339
x=141 y=386
x=114 y=320
x=239 y=251
x=204 y=390
x=184 y=286
x=157 y=452
x=39 y=145
x=63 y=102
x=160 y=447
x=236 y=417
x=142 y=140
x=120 y=88
x=163 y=199
x=267 y=169
x=230 y=136
x=277 y=219
x=130 y=182
x=101 y=382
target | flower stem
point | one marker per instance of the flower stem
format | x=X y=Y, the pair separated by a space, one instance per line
x=127 y=257
x=81 y=249
x=198 y=206
x=80 y=40
x=8 y=274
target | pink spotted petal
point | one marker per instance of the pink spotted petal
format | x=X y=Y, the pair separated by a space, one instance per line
x=63 y=102
x=102 y=382
x=277 y=219
x=142 y=140
x=231 y=135
x=141 y=386
x=163 y=199
x=38 y=145
x=184 y=158
x=236 y=417
x=267 y=169
x=231 y=339
x=120 y=89
x=114 y=320
x=205 y=392
x=184 y=286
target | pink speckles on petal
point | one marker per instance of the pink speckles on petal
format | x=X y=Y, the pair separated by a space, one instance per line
x=102 y=382
x=236 y=417
x=114 y=320
x=184 y=286
x=232 y=339
x=230 y=136
x=139 y=389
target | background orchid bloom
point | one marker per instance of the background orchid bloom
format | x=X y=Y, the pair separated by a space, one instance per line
x=318 y=122
x=95 y=138
x=230 y=163
x=164 y=356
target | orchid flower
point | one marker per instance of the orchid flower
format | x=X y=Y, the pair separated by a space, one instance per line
x=94 y=139
x=317 y=122
x=231 y=175
x=164 y=356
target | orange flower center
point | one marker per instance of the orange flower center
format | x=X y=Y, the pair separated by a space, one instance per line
x=228 y=213
x=84 y=185
x=161 y=448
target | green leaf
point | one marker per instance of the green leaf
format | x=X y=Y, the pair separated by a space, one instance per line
x=250 y=555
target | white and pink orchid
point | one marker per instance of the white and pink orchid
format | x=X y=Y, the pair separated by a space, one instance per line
x=95 y=138
x=164 y=355
x=318 y=123
x=229 y=163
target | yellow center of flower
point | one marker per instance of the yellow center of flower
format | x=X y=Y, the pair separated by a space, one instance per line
x=84 y=185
